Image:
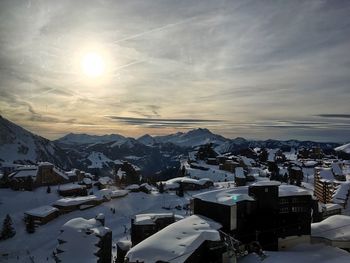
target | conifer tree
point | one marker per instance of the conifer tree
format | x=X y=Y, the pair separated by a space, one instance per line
x=8 y=230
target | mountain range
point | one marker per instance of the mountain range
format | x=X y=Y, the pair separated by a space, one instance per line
x=153 y=154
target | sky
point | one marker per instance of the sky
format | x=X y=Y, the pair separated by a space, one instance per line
x=256 y=69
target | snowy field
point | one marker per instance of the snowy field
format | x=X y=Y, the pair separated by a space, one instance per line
x=42 y=243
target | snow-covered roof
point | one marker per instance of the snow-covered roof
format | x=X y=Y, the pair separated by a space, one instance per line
x=75 y=200
x=327 y=174
x=25 y=172
x=81 y=238
x=60 y=173
x=267 y=183
x=336 y=168
x=87 y=181
x=176 y=242
x=105 y=180
x=42 y=211
x=174 y=182
x=132 y=187
x=150 y=219
x=226 y=197
x=67 y=187
x=292 y=190
x=147 y=186
x=336 y=228
x=341 y=193
x=239 y=172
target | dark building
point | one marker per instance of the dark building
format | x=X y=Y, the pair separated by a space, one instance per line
x=145 y=225
x=264 y=211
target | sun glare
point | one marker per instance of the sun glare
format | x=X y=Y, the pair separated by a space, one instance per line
x=93 y=65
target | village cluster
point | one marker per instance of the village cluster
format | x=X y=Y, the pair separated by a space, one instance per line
x=253 y=201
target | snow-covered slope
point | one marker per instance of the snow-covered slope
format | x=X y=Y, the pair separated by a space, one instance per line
x=18 y=144
x=73 y=138
x=192 y=138
x=343 y=148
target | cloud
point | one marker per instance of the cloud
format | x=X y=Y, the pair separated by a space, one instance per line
x=341 y=116
x=164 y=122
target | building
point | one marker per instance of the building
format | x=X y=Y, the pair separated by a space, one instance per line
x=66 y=205
x=31 y=176
x=145 y=225
x=85 y=240
x=72 y=190
x=326 y=182
x=195 y=239
x=265 y=211
x=42 y=215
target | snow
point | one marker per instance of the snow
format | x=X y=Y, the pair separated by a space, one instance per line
x=341 y=193
x=67 y=187
x=175 y=182
x=80 y=233
x=176 y=242
x=151 y=218
x=25 y=173
x=98 y=160
x=344 y=148
x=75 y=200
x=267 y=183
x=87 y=181
x=42 y=243
x=247 y=161
x=239 y=172
x=303 y=253
x=336 y=168
x=132 y=187
x=227 y=196
x=327 y=174
x=105 y=180
x=335 y=228
x=60 y=173
x=42 y=211
x=292 y=190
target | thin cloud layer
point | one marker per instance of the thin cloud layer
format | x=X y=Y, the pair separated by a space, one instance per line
x=237 y=67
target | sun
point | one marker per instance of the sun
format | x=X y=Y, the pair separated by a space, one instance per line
x=93 y=65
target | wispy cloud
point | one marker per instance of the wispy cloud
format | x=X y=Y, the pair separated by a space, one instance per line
x=341 y=116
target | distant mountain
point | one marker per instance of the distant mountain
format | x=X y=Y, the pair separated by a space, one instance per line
x=146 y=140
x=344 y=148
x=192 y=138
x=241 y=143
x=73 y=138
x=22 y=146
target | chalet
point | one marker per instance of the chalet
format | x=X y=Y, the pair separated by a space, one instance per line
x=145 y=225
x=265 y=211
x=104 y=182
x=66 y=205
x=32 y=176
x=89 y=234
x=42 y=215
x=72 y=190
x=194 y=239
x=229 y=165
